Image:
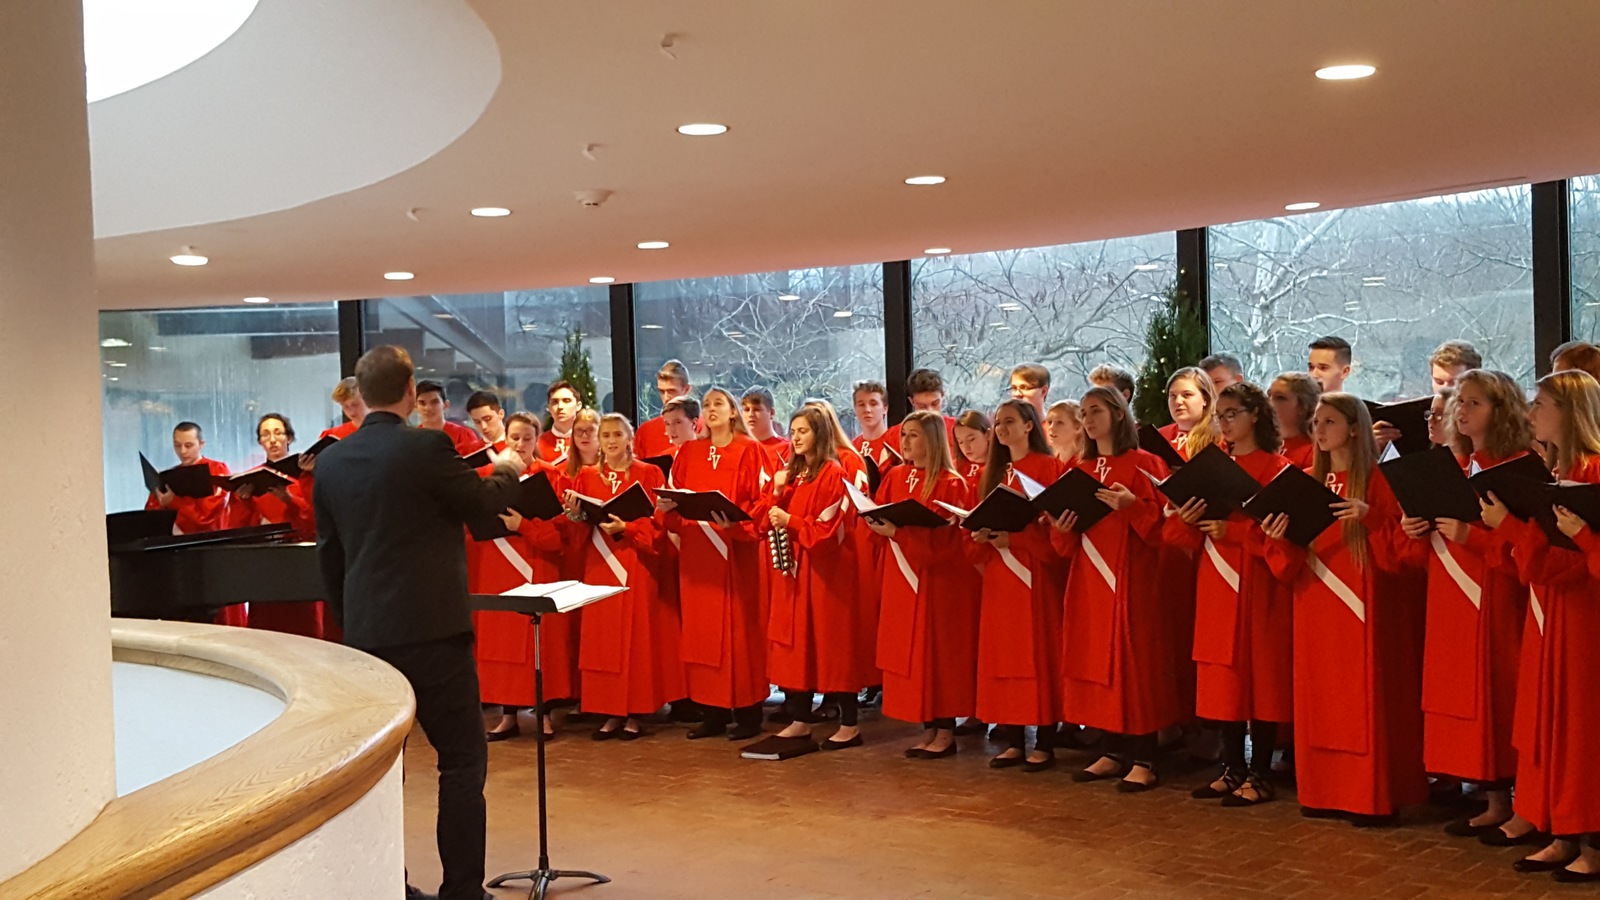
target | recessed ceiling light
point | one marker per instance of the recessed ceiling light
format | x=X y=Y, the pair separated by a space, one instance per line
x=398 y=276
x=1344 y=73
x=787 y=297
x=258 y=299
x=925 y=179
x=114 y=342
x=443 y=316
x=189 y=258
x=1302 y=205
x=113 y=378
x=116 y=365
x=734 y=334
x=653 y=245
x=936 y=251
x=491 y=212
x=842 y=314
x=602 y=279
x=1147 y=267
x=158 y=349
x=702 y=129
x=651 y=327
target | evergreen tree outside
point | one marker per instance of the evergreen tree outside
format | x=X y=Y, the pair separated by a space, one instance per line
x=1176 y=338
x=575 y=369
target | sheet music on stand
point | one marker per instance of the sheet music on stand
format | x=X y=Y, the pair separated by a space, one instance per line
x=551 y=597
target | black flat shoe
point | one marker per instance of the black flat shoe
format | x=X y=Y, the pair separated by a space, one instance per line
x=1138 y=787
x=1231 y=782
x=707 y=730
x=1567 y=876
x=600 y=734
x=1265 y=793
x=932 y=754
x=1533 y=866
x=1084 y=776
x=1006 y=762
x=1495 y=837
x=624 y=734
x=745 y=732
x=1043 y=765
x=831 y=744
x=1388 y=820
x=505 y=735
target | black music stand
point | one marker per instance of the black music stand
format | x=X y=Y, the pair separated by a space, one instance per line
x=534 y=608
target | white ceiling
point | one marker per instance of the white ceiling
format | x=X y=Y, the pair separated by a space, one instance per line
x=1054 y=121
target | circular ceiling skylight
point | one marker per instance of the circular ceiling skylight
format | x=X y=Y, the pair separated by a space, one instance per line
x=130 y=43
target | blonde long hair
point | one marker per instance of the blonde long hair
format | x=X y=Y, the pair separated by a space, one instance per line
x=1509 y=432
x=574 y=456
x=1204 y=433
x=937 y=438
x=1577 y=395
x=627 y=432
x=736 y=421
x=1363 y=459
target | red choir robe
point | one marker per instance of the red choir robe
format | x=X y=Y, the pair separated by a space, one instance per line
x=650 y=440
x=466 y=440
x=778 y=446
x=1299 y=450
x=813 y=631
x=504 y=647
x=1358 y=721
x=200 y=514
x=970 y=472
x=1555 y=732
x=928 y=618
x=1472 y=639
x=1118 y=662
x=629 y=643
x=1243 y=645
x=880 y=448
x=340 y=431
x=553 y=445
x=1179 y=576
x=307 y=618
x=723 y=645
x=775 y=455
x=1019 y=626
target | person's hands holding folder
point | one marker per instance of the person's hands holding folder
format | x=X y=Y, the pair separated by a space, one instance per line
x=882 y=529
x=1193 y=511
x=720 y=519
x=165 y=496
x=999 y=540
x=613 y=526
x=307 y=461
x=1067 y=521
x=1453 y=530
x=1276 y=526
x=1216 y=529
x=1569 y=522
x=1415 y=528
x=665 y=504
x=512 y=518
x=1494 y=511
x=1117 y=496
x=1350 y=510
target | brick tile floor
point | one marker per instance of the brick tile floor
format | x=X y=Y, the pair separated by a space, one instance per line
x=667 y=817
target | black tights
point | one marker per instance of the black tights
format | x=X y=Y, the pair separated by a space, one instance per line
x=947 y=724
x=1133 y=748
x=1017 y=736
x=1263 y=737
x=797 y=703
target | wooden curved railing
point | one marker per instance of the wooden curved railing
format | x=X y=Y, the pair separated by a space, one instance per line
x=345 y=719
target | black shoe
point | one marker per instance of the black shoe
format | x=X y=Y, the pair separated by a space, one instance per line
x=503 y=735
x=601 y=734
x=685 y=712
x=1532 y=866
x=971 y=726
x=1363 y=820
x=1138 y=787
x=1260 y=784
x=1043 y=765
x=1312 y=812
x=1231 y=781
x=831 y=744
x=745 y=731
x=932 y=754
x=1084 y=776
x=708 y=730
x=1567 y=876
x=1006 y=762
x=1495 y=837
x=623 y=734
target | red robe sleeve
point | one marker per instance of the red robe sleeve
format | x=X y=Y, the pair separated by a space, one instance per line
x=827 y=498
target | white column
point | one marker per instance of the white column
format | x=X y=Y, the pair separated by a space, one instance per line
x=56 y=766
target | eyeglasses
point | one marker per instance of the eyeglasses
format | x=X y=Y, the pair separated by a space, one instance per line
x=1228 y=415
x=1436 y=417
x=273 y=434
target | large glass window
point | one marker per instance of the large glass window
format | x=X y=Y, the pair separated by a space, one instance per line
x=1069 y=308
x=219 y=367
x=1585 y=210
x=800 y=333
x=509 y=343
x=1395 y=280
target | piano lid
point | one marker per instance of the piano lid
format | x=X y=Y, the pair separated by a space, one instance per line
x=170 y=541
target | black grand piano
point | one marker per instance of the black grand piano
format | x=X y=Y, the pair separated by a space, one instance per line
x=156 y=574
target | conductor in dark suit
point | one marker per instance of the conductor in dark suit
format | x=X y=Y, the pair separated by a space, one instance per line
x=390 y=502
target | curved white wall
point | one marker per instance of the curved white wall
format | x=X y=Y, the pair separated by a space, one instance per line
x=356 y=855
x=56 y=770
